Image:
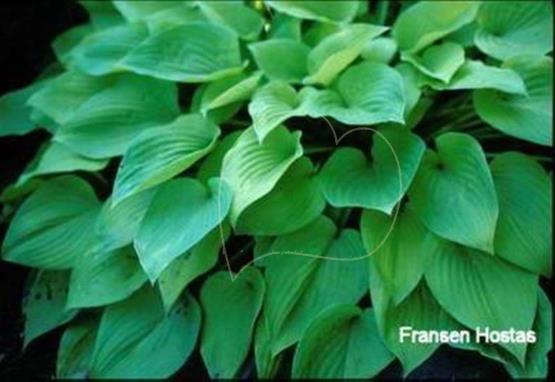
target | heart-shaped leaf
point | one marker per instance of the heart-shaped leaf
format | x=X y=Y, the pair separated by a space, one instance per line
x=335 y=52
x=479 y=290
x=510 y=28
x=281 y=59
x=295 y=201
x=427 y=21
x=438 y=61
x=299 y=288
x=53 y=226
x=104 y=277
x=528 y=117
x=225 y=344
x=366 y=94
x=523 y=234
x=136 y=339
x=453 y=192
x=401 y=259
x=348 y=179
x=194 y=52
x=252 y=169
x=342 y=342
x=161 y=153
x=475 y=75
x=182 y=212
x=190 y=265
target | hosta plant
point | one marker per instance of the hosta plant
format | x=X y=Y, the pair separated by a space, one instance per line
x=281 y=186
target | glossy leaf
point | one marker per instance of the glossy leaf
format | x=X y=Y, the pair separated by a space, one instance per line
x=350 y=180
x=137 y=340
x=44 y=306
x=528 y=117
x=161 y=153
x=225 y=343
x=342 y=342
x=53 y=226
x=479 y=290
x=295 y=201
x=104 y=277
x=335 y=52
x=438 y=61
x=252 y=169
x=194 y=52
x=182 y=212
x=299 y=288
x=401 y=260
x=281 y=59
x=453 y=192
x=523 y=234
x=510 y=28
x=427 y=21
x=76 y=347
x=334 y=10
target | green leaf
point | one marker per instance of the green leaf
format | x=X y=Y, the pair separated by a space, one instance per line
x=194 y=52
x=537 y=362
x=229 y=90
x=510 y=28
x=295 y=201
x=105 y=113
x=523 y=235
x=285 y=26
x=365 y=94
x=57 y=158
x=267 y=365
x=281 y=59
x=528 y=117
x=480 y=290
x=62 y=95
x=187 y=267
x=337 y=51
x=139 y=10
x=76 y=347
x=299 y=287
x=235 y=15
x=252 y=169
x=53 y=226
x=117 y=226
x=418 y=311
x=453 y=192
x=273 y=104
x=225 y=343
x=182 y=212
x=475 y=75
x=342 y=342
x=104 y=277
x=160 y=153
x=331 y=10
x=349 y=179
x=44 y=306
x=137 y=340
x=100 y=53
x=427 y=21
x=404 y=247
x=381 y=49
x=219 y=115
x=15 y=113
x=438 y=61
x=211 y=166
x=102 y=14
